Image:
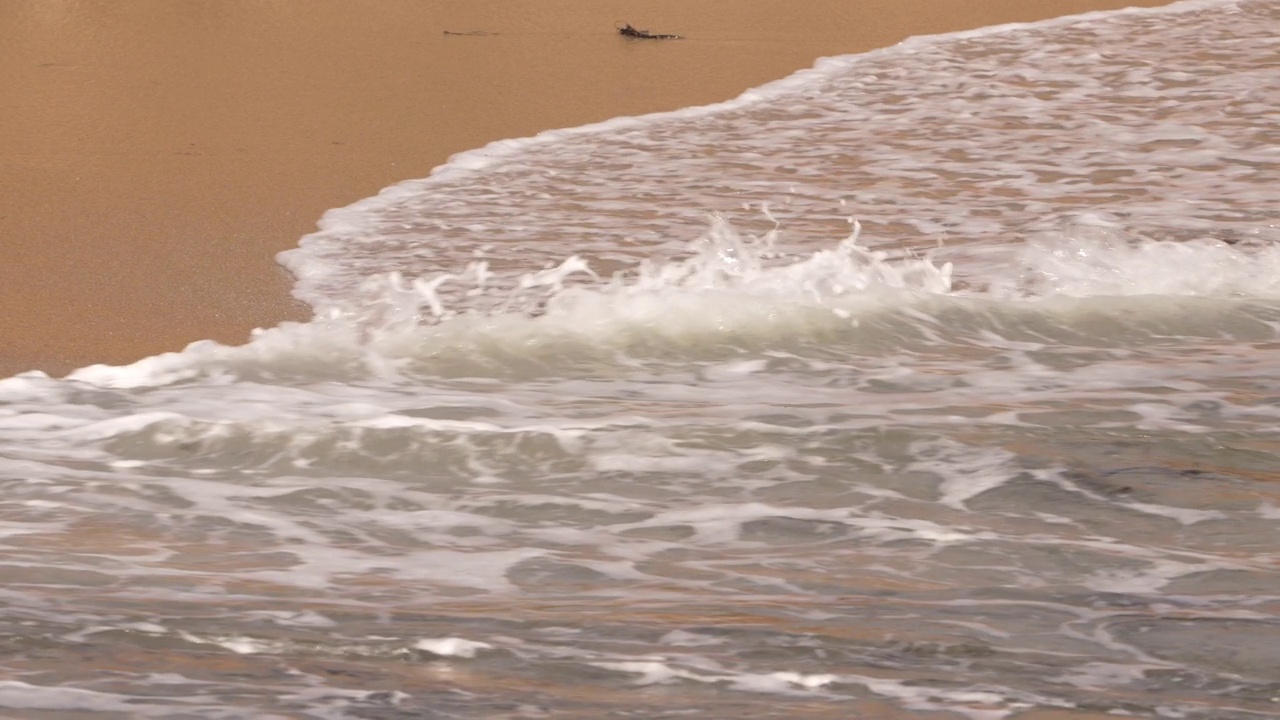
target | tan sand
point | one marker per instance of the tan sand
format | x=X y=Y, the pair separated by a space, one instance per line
x=157 y=153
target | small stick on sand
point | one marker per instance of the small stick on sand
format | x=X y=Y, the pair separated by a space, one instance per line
x=631 y=32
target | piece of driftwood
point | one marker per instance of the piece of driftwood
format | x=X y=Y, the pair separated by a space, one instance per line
x=474 y=33
x=628 y=31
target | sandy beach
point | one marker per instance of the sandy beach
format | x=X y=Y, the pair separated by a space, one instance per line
x=158 y=154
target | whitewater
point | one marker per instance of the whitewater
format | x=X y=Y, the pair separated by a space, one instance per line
x=938 y=381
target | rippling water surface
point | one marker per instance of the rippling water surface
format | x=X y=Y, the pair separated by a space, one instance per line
x=935 y=382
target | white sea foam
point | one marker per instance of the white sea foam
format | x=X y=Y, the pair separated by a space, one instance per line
x=452 y=647
x=731 y=288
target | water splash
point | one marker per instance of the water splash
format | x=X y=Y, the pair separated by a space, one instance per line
x=734 y=289
x=1094 y=255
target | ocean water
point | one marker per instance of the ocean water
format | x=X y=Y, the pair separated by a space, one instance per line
x=940 y=381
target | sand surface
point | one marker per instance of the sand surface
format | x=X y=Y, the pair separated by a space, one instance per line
x=158 y=153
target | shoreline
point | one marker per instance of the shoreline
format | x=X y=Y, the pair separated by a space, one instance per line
x=163 y=155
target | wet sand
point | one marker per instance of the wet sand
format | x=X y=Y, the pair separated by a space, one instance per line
x=158 y=154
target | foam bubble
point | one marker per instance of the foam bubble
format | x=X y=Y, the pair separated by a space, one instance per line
x=452 y=647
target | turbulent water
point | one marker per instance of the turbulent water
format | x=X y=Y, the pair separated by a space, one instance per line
x=940 y=381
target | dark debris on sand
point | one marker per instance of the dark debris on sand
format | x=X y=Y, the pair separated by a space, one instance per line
x=628 y=31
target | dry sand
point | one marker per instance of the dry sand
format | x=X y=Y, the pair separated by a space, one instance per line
x=158 y=153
